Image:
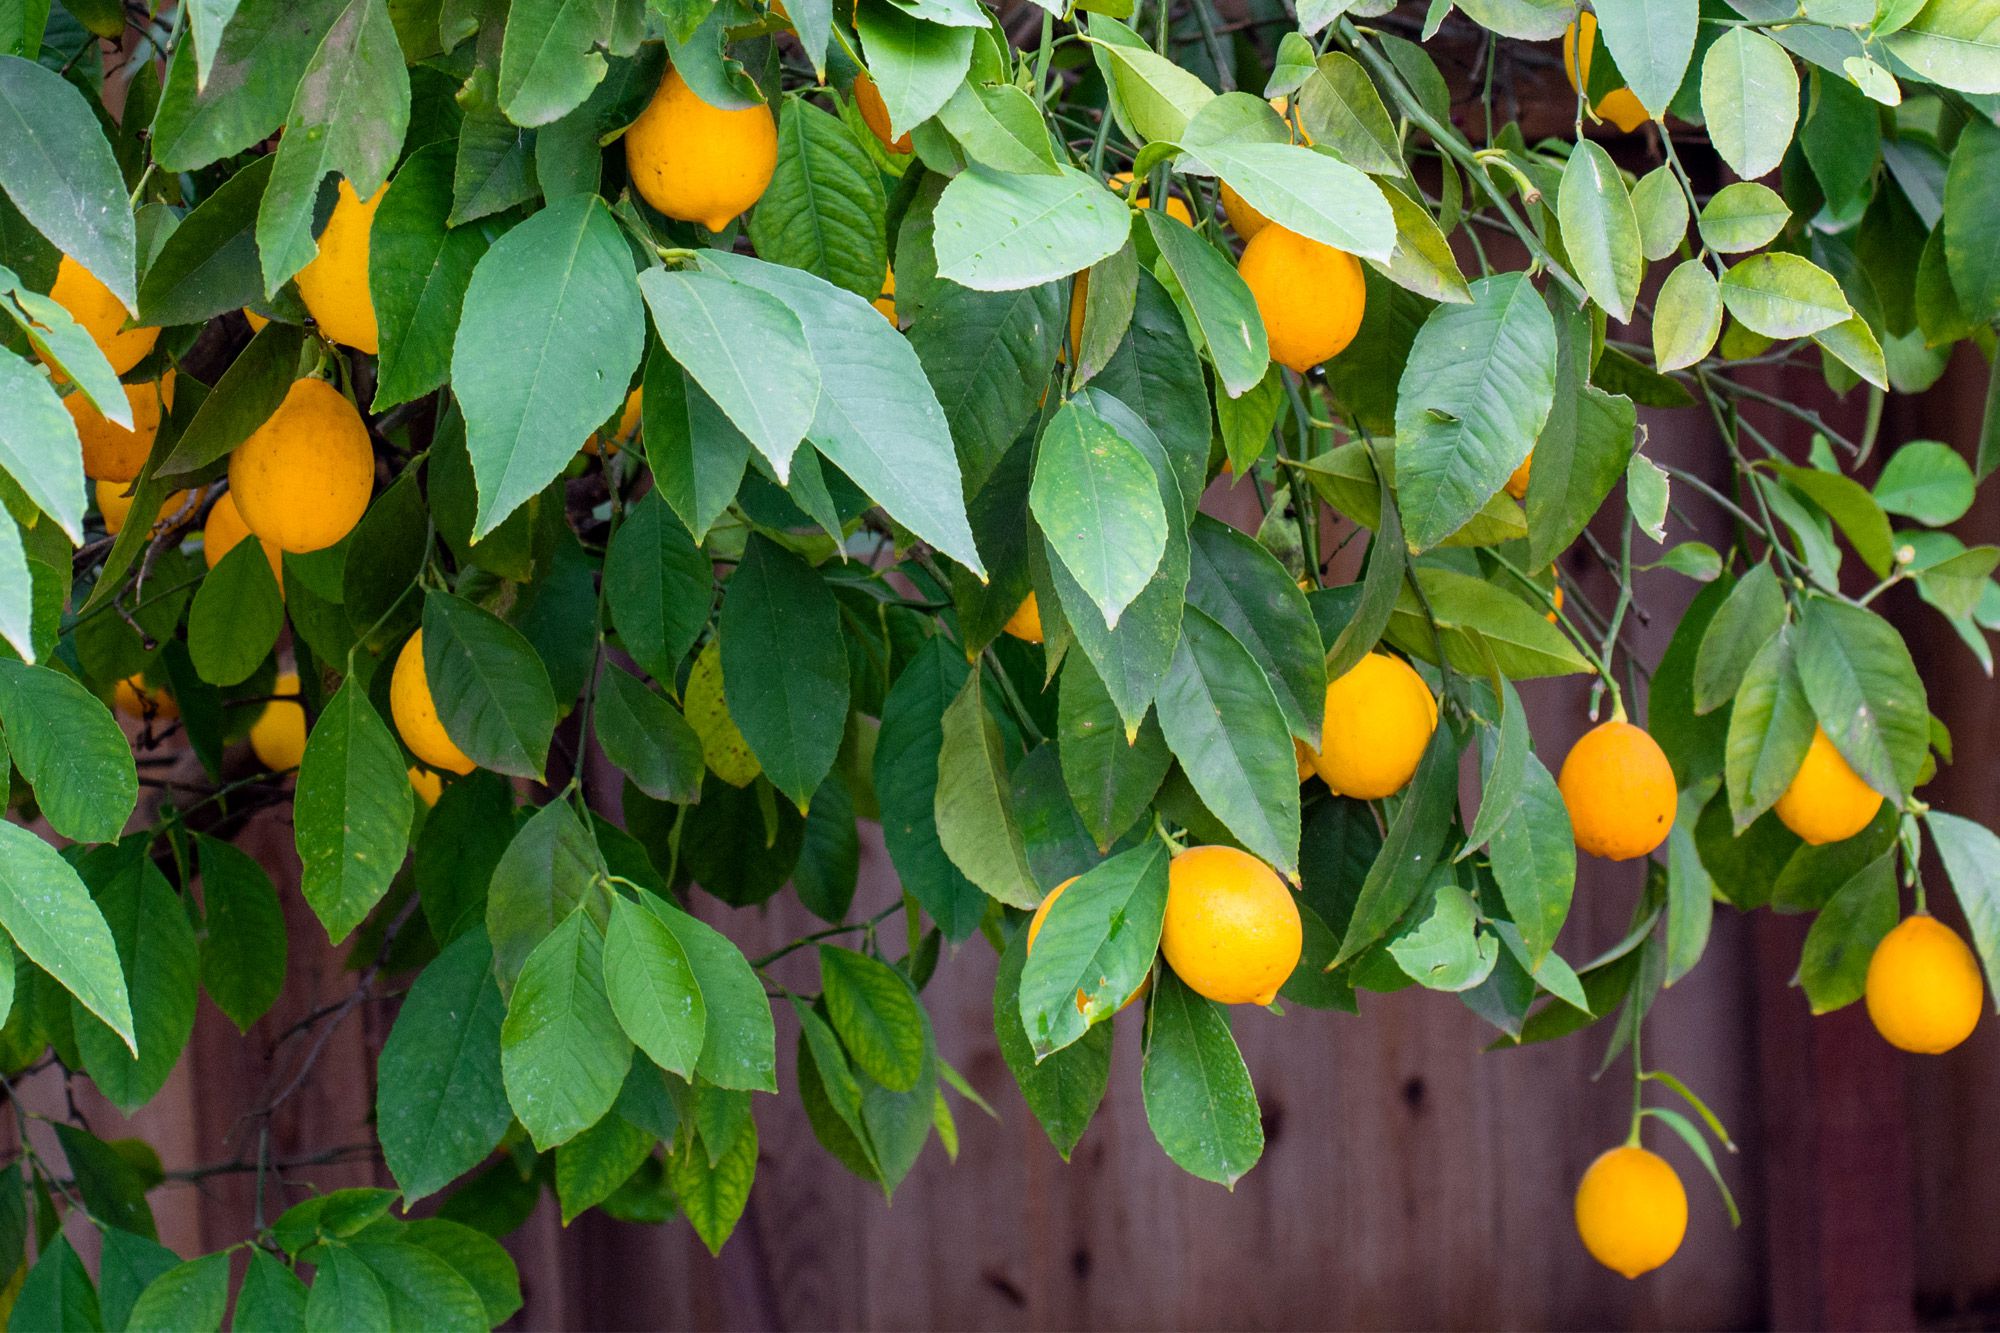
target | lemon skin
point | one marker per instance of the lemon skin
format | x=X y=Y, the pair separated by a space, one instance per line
x=102 y=315
x=1232 y=931
x=1378 y=721
x=110 y=452
x=1619 y=789
x=334 y=286
x=278 y=736
x=1826 y=800
x=697 y=162
x=1631 y=1211
x=303 y=478
x=415 y=712
x=1026 y=622
x=1311 y=296
x=1924 y=991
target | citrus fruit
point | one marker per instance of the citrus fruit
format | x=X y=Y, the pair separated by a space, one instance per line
x=1242 y=216
x=1631 y=1210
x=1176 y=207
x=1379 y=719
x=278 y=736
x=875 y=113
x=302 y=479
x=225 y=528
x=697 y=162
x=415 y=712
x=91 y=304
x=1924 y=989
x=1619 y=788
x=427 y=785
x=1035 y=928
x=1619 y=106
x=334 y=286
x=1826 y=801
x=114 y=502
x=886 y=302
x=134 y=698
x=1026 y=622
x=110 y=452
x=627 y=427
x=256 y=321
x=1232 y=931
x=1310 y=295
x=1517 y=483
x=1555 y=601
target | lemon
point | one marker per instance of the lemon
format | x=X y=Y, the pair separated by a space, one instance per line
x=1619 y=106
x=886 y=302
x=697 y=162
x=1311 y=296
x=427 y=785
x=103 y=316
x=225 y=528
x=1619 y=789
x=875 y=113
x=134 y=698
x=1924 y=989
x=278 y=736
x=1379 y=719
x=1517 y=481
x=114 y=502
x=1232 y=931
x=1631 y=1210
x=334 y=286
x=302 y=479
x=415 y=712
x=110 y=452
x=1826 y=801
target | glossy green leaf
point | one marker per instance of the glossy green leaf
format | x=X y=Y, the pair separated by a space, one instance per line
x=1221 y=303
x=823 y=210
x=1446 y=951
x=71 y=751
x=440 y=1101
x=1600 y=230
x=1783 y=296
x=1652 y=41
x=975 y=817
x=1098 y=504
x=1743 y=216
x=1063 y=1090
x=159 y=958
x=1770 y=728
x=54 y=921
x=783 y=669
x=647 y=739
x=1927 y=481
x=562 y=1052
x=419 y=267
x=39 y=449
x=1744 y=623
x=1750 y=97
x=652 y=988
x=1199 y=1100
x=1833 y=970
x=351 y=813
x=1310 y=193
x=236 y=616
x=547 y=870
x=550 y=59
x=916 y=65
x=489 y=686
x=1095 y=948
x=1534 y=861
x=1866 y=693
x=1687 y=316
x=878 y=1019
x=58 y=169
x=189 y=1296
x=998 y=232
x=1339 y=107
x=1662 y=211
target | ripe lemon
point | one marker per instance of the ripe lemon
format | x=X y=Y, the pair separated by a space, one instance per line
x=302 y=479
x=1035 y=928
x=110 y=452
x=134 y=698
x=1619 y=788
x=628 y=426
x=1176 y=206
x=1242 y=216
x=1556 y=601
x=1517 y=483
x=427 y=785
x=1619 y=106
x=1631 y=1210
x=334 y=286
x=1026 y=622
x=875 y=113
x=225 y=528
x=886 y=302
x=1379 y=719
x=91 y=304
x=415 y=713
x=1924 y=989
x=1310 y=295
x=697 y=162
x=1827 y=801
x=255 y=320
x=114 y=502
x=1232 y=931
x=278 y=736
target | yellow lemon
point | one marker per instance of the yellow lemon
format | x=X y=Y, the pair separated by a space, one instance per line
x=886 y=302
x=427 y=785
x=1232 y=931
x=278 y=736
x=256 y=321
x=1924 y=989
x=110 y=452
x=1311 y=296
x=875 y=113
x=1242 y=216
x=225 y=528
x=415 y=712
x=628 y=426
x=1517 y=482
x=1026 y=622
x=302 y=479
x=1827 y=801
x=1035 y=928
x=334 y=286
x=1619 y=789
x=114 y=502
x=1379 y=719
x=1618 y=106
x=697 y=162
x=134 y=698
x=1631 y=1210
x=1176 y=206
x=102 y=315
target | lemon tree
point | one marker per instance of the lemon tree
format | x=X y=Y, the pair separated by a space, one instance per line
x=675 y=434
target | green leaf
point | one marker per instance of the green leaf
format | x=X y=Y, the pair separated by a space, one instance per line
x=236 y=616
x=1504 y=756
x=1339 y=107
x=418 y=270
x=997 y=232
x=1410 y=851
x=562 y=1051
x=346 y=1294
x=56 y=1293
x=1095 y=947
x=1098 y=504
x=1852 y=509
x=1954 y=43
x=57 y=167
x=1971 y=856
x=713 y=1196
x=652 y=988
x=878 y=420
x=905 y=776
x=1957 y=585
x=271 y=1295
x=243 y=934
x=549 y=59
x=591 y=1166
x=546 y=871
x=658 y=587
x=1525 y=645
x=1687 y=316
x=189 y=1296
x=1474 y=394
x=54 y=921
x=1652 y=41
x=1745 y=622
x=1155 y=97
x=1750 y=98
x=1219 y=300
x=246 y=87
x=1380 y=585
x=420 y=1289
x=1662 y=210
x=975 y=817
x=1307 y=192
x=114 y=1190
x=999 y=127
x=440 y=1101
x=1223 y=723
x=474 y=1256
x=1926 y=481
x=747 y=351
x=1833 y=970
x=209 y=265
x=1244 y=589
x=823 y=210
x=1743 y=216
x=1600 y=230
x=1446 y=952
x=1783 y=296
x=566 y=274
x=916 y=65
x=1646 y=497
x=491 y=690
x=1770 y=728
x=348 y=114
x=495 y=166
x=1064 y=1089
x=1584 y=449
x=1691 y=891
x=783 y=669
x=1534 y=862
x=739 y=1046
x=39 y=449
x=647 y=739
x=1971 y=194
x=70 y=750
x=1200 y=1104
x=696 y=455
x=878 y=1019
x=351 y=811
x=242 y=400
x=990 y=354
x=1866 y=693
x=159 y=958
